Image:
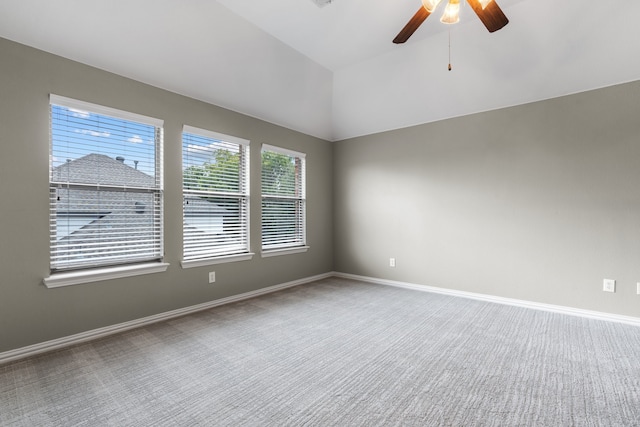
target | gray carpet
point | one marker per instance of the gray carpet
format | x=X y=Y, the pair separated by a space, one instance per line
x=339 y=353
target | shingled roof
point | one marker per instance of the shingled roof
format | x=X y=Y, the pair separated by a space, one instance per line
x=82 y=212
x=99 y=169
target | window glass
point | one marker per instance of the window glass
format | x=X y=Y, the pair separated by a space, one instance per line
x=105 y=186
x=216 y=194
x=283 y=198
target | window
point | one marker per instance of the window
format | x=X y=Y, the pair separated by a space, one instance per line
x=215 y=188
x=105 y=186
x=283 y=199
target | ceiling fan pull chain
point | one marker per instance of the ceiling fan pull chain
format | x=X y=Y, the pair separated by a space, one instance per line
x=449 y=48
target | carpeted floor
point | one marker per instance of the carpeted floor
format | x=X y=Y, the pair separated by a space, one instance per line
x=339 y=353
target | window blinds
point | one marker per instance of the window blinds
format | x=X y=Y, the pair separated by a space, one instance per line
x=283 y=198
x=105 y=186
x=215 y=194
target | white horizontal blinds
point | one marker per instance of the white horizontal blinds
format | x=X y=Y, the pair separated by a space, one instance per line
x=283 y=198
x=105 y=186
x=216 y=194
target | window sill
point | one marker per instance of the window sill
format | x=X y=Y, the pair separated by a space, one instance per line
x=87 y=276
x=217 y=260
x=284 y=251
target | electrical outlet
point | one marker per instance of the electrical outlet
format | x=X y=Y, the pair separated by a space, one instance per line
x=638 y=288
x=212 y=276
x=609 y=285
x=392 y=262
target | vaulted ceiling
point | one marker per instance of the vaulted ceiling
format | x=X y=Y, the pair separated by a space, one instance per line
x=333 y=71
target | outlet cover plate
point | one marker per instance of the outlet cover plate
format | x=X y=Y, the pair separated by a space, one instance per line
x=212 y=277
x=609 y=285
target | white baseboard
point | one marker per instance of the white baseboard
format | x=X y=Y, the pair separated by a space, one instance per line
x=635 y=321
x=59 y=343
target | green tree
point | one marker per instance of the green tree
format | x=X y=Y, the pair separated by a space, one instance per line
x=221 y=174
x=278 y=174
x=280 y=222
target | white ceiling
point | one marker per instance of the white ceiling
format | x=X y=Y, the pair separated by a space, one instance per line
x=333 y=72
x=343 y=32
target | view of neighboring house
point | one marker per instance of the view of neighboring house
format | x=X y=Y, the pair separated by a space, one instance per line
x=100 y=203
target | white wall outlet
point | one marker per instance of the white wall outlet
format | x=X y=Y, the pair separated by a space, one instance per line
x=392 y=262
x=609 y=285
x=638 y=288
x=212 y=276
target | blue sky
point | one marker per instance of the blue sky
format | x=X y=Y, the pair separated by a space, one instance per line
x=198 y=149
x=76 y=133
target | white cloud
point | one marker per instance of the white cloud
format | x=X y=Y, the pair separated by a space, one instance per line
x=200 y=150
x=205 y=153
x=93 y=133
x=79 y=113
x=135 y=139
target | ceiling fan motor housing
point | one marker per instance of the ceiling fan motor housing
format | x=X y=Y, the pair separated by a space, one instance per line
x=321 y=3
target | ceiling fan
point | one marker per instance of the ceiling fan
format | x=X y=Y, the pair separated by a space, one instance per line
x=487 y=10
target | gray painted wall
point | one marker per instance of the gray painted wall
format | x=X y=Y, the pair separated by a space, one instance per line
x=538 y=202
x=31 y=313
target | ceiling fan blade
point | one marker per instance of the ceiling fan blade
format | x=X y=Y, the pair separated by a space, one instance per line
x=491 y=16
x=412 y=25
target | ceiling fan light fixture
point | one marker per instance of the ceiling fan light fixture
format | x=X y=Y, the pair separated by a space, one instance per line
x=451 y=13
x=430 y=5
x=487 y=11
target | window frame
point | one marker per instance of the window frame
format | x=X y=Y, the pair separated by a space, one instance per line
x=243 y=195
x=300 y=246
x=71 y=274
